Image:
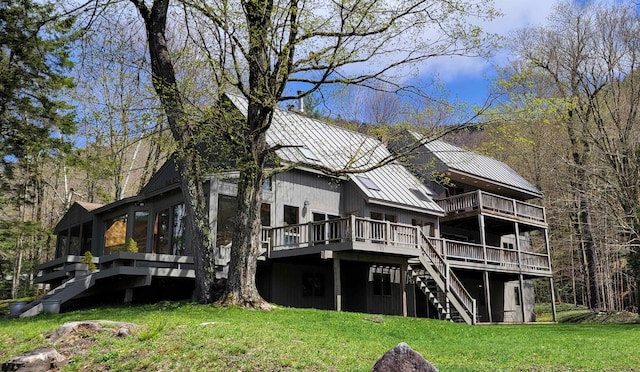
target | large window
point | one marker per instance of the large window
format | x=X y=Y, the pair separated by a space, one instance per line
x=226 y=214
x=291 y=217
x=161 y=232
x=74 y=240
x=115 y=233
x=140 y=229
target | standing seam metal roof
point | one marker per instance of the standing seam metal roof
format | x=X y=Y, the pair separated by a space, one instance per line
x=339 y=148
x=456 y=158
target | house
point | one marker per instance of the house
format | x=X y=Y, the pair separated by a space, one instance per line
x=375 y=240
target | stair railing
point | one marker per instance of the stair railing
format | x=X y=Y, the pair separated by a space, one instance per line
x=447 y=276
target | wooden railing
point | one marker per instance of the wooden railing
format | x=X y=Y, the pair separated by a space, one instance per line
x=485 y=201
x=495 y=256
x=446 y=278
x=397 y=235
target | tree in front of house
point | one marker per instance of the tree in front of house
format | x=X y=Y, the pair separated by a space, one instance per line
x=257 y=48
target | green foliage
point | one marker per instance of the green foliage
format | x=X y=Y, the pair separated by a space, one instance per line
x=34 y=57
x=199 y=337
x=88 y=260
x=130 y=246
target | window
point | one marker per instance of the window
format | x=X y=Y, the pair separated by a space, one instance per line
x=419 y=194
x=378 y=216
x=291 y=215
x=161 y=232
x=226 y=215
x=115 y=233
x=74 y=240
x=368 y=183
x=428 y=228
x=516 y=293
x=266 y=184
x=63 y=242
x=508 y=246
x=140 y=228
x=312 y=285
x=381 y=284
x=308 y=153
x=265 y=214
x=291 y=220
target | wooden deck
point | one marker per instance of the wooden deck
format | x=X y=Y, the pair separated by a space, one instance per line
x=363 y=234
x=476 y=202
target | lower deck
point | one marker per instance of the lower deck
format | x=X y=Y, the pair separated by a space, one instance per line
x=344 y=281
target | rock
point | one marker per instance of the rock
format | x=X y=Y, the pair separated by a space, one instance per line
x=36 y=360
x=88 y=327
x=402 y=358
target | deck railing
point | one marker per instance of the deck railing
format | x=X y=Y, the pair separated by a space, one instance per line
x=365 y=230
x=484 y=201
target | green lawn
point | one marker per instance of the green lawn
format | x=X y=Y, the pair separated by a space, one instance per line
x=175 y=338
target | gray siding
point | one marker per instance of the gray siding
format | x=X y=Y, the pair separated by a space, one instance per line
x=287 y=285
x=294 y=188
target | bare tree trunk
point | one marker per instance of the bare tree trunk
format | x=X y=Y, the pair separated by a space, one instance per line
x=15 y=285
x=185 y=133
x=241 y=286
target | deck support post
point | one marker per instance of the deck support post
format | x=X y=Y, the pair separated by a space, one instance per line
x=337 y=286
x=403 y=285
x=521 y=294
x=128 y=295
x=487 y=296
x=553 y=300
x=483 y=239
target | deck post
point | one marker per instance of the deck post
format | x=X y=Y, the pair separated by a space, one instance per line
x=487 y=295
x=128 y=295
x=403 y=285
x=483 y=239
x=521 y=294
x=310 y=234
x=337 y=286
x=553 y=300
x=353 y=228
x=517 y=233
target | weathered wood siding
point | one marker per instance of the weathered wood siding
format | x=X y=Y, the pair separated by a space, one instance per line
x=294 y=188
x=355 y=204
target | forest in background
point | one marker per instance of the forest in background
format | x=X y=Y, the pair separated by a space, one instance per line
x=563 y=115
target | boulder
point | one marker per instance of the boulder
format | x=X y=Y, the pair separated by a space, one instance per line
x=402 y=358
x=36 y=360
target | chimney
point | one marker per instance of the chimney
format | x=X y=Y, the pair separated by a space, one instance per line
x=300 y=102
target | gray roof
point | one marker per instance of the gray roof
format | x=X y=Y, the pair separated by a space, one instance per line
x=313 y=141
x=457 y=159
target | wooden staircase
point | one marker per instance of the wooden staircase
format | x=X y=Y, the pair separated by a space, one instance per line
x=443 y=289
x=63 y=293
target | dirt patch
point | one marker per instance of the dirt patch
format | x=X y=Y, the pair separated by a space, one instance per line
x=70 y=340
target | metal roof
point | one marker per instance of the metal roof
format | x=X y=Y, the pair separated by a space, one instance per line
x=313 y=141
x=457 y=159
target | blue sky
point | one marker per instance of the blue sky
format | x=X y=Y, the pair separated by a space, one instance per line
x=468 y=78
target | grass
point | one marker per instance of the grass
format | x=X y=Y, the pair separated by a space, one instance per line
x=190 y=337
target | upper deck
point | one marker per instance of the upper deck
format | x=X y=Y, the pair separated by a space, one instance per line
x=482 y=202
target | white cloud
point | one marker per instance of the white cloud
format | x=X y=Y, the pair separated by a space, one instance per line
x=516 y=14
